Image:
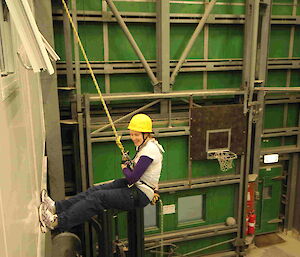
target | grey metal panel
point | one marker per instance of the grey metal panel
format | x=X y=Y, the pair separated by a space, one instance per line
x=51 y=108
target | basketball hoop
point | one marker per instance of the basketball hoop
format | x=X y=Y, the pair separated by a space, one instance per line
x=224 y=157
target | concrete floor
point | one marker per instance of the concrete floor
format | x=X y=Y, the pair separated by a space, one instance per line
x=290 y=248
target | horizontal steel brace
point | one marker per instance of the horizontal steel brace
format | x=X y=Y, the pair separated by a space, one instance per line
x=186 y=234
x=118 y=67
x=198 y=183
x=147 y=17
x=280 y=150
x=180 y=94
x=162 y=134
x=281 y=132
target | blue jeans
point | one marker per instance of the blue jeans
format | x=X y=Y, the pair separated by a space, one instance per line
x=83 y=206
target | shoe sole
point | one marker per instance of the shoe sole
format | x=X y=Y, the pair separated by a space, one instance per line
x=42 y=209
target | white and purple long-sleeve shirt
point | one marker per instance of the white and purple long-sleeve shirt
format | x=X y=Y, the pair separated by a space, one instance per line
x=148 y=164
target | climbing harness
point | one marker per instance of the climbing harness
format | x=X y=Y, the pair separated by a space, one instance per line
x=125 y=154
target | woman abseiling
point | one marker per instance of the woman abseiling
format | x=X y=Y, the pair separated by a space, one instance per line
x=137 y=189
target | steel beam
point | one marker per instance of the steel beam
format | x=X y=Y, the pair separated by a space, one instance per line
x=192 y=41
x=181 y=94
x=106 y=49
x=292 y=183
x=126 y=116
x=163 y=44
x=77 y=60
x=253 y=52
x=88 y=141
x=130 y=38
x=258 y=131
x=68 y=50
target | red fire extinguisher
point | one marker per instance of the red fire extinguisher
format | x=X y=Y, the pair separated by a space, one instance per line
x=251 y=223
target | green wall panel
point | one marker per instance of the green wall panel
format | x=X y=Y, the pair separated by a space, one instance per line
x=267 y=207
x=136 y=7
x=188 y=81
x=229 y=8
x=276 y=78
x=130 y=83
x=293 y=115
x=189 y=7
x=120 y=48
x=59 y=43
x=282 y=7
x=180 y=34
x=175 y=161
x=107 y=160
x=87 y=84
x=295 y=77
x=208 y=168
x=296 y=52
x=273 y=117
x=225 y=41
x=91 y=35
x=212 y=213
x=271 y=142
x=279 y=41
x=89 y=5
x=219 y=79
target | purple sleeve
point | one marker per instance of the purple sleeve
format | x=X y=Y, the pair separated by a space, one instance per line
x=134 y=175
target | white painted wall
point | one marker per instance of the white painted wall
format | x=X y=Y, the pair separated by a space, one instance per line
x=22 y=163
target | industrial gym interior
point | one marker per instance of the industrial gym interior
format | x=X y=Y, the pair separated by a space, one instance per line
x=220 y=80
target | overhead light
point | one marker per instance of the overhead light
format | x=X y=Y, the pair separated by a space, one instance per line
x=271 y=158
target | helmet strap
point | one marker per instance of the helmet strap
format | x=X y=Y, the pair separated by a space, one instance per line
x=144 y=140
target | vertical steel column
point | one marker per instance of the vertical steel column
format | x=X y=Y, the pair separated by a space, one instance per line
x=44 y=20
x=106 y=48
x=288 y=79
x=77 y=60
x=163 y=53
x=239 y=209
x=254 y=33
x=247 y=52
x=190 y=162
x=292 y=183
x=292 y=39
x=68 y=49
x=247 y=169
x=135 y=221
x=263 y=42
x=88 y=140
x=163 y=44
x=259 y=112
x=205 y=50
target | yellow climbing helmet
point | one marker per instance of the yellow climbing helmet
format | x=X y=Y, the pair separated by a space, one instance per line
x=141 y=123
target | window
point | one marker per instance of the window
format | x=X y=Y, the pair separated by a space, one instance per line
x=190 y=208
x=150 y=216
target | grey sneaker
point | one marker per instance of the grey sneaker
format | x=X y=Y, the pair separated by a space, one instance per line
x=47 y=219
x=48 y=201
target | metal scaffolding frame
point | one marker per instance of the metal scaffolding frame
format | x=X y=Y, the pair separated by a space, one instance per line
x=253 y=92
